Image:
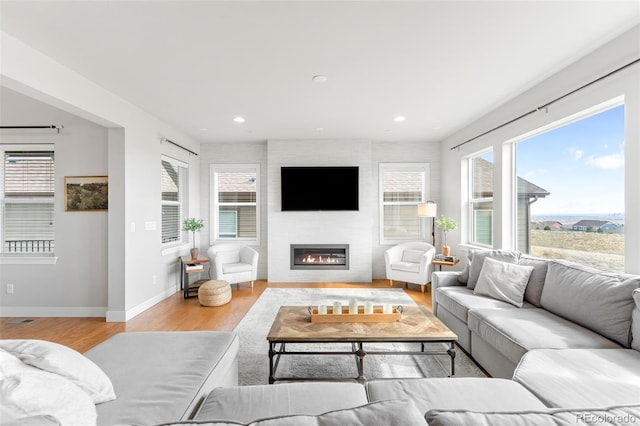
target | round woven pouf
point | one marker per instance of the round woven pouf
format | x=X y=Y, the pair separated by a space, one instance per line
x=214 y=293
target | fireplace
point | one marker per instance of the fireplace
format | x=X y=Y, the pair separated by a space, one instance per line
x=319 y=256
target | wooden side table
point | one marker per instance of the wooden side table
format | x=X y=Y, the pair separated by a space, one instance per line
x=191 y=266
x=442 y=263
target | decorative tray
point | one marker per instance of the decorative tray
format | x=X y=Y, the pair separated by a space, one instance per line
x=377 y=316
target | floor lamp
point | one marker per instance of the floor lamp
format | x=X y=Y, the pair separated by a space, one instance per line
x=429 y=209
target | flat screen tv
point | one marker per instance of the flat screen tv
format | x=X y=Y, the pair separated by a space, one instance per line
x=319 y=188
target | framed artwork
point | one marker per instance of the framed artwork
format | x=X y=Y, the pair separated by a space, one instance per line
x=86 y=193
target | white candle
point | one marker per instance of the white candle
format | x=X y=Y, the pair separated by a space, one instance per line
x=368 y=307
x=353 y=306
x=387 y=309
x=337 y=308
x=322 y=309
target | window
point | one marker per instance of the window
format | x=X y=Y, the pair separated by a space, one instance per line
x=481 y=199
x=234 y=202
x=173 y=182
x=570 y=189
x=402 y=188
x=27 y=202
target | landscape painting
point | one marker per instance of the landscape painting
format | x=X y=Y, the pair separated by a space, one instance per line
x=86 y=193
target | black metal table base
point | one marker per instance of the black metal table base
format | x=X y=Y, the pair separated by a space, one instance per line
x=357 y=350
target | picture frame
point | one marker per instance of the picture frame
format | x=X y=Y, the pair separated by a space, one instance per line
x=86 y=193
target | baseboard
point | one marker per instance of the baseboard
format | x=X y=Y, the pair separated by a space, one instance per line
x=124 y=316
x=48 y=311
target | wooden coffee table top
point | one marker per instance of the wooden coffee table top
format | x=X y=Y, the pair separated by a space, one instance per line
x=418 y=324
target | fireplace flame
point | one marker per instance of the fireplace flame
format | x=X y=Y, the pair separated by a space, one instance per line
x=318 y=259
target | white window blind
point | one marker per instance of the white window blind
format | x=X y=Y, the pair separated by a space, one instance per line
x=173 y=181
x=27 y=202
x=403 y=187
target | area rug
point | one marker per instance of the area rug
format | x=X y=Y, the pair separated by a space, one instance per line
x=253 y=361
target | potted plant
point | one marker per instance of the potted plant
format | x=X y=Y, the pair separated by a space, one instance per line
x=193 y=225
x=446 y=224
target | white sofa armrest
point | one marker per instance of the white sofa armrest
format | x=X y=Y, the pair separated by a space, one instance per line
x=442 y=279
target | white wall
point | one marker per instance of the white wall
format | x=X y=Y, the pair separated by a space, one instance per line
x=133 y=154
x=617 y=53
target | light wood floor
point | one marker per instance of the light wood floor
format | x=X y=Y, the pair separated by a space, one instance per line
x=172 y=314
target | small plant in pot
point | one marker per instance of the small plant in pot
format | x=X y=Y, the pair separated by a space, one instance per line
x=193 y=225
x=446 y=224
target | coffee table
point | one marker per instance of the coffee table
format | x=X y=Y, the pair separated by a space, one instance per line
x=417 y=325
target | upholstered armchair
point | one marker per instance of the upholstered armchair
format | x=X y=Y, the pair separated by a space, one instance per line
x=234 y=263
x=410 y=262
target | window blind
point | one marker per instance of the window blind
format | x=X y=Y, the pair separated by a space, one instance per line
x=28 y=174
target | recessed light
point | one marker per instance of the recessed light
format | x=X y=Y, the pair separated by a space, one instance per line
x=400 y=119
x=239 y=119
x=319 y=79
x=319 y=129
x=203 y=129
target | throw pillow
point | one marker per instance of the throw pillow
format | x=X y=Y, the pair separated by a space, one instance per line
x=65 y=362
x=463 y=277
x=412 y=256
x=503 y=281
x=480 y=256
x=635 y=321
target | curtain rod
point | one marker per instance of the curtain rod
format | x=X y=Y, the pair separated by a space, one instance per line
x=178 y=145
x=609 y=74
x=51 y=126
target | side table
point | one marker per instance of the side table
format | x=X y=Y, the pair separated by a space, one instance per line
x=442 y=263
x=191 y=266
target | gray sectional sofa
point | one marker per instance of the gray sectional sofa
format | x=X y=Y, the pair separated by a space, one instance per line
x=565 y=351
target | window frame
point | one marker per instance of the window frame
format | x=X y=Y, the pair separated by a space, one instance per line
x=426 y=195
x=26 y=257
x=214 y=169
x=471 y=201
x=183 y=201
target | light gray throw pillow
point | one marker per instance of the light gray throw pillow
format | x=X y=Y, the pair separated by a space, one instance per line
x=478 y=259
x=503 y=281
x=635 y=321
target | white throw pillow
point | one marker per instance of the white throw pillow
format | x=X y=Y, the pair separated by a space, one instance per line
x=38 y=392
x=503 y=281
x=65 y=362
x=413 y=256
x=635 y=321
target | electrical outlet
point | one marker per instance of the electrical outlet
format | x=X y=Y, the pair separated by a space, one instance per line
x=9 y=288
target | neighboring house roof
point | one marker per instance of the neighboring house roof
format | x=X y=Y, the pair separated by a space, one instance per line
x=483 y=182
x=593 y=223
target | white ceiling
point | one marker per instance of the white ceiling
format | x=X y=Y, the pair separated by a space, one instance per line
x=197 y=64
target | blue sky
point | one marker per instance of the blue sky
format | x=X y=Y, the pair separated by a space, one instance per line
x=581 y=164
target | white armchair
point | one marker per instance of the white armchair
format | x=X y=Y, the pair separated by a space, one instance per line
x=410 y=262
x=234 y=263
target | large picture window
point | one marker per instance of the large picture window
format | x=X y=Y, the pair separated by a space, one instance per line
x=27 y=222
x=234 y=202
x=402 y=187
x=173 y=181
x=571 y=190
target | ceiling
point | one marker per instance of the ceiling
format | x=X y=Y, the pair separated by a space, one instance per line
x=198 y=64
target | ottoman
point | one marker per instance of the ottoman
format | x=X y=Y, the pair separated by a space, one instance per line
x=214 y=293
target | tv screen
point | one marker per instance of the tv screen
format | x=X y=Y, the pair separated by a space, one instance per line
x=319 y=188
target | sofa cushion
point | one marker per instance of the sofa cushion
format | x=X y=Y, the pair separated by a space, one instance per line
x=458 y=301
x=264 y=401
x=618 y=415
x=65 y=362
x=581 y=377
x=533 y=292
x=477 y=260
x=635 y=321
x=503 y=281
x=463 y=277
x=513 y=332
x=405 y=266
x=413 y=256
x=394 y=412
x=598 y=300
x=161 y=376
x=471 y=393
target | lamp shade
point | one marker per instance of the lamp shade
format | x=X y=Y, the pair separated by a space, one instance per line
x=428 y=209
